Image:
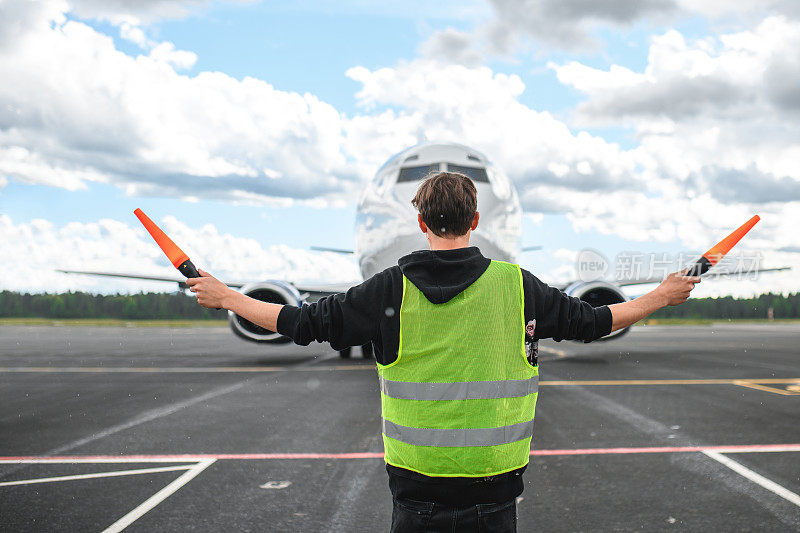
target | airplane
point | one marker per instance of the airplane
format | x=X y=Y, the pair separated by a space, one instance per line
x=386 y=229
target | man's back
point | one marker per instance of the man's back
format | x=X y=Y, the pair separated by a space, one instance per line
x=370 y=312
x=460 y=398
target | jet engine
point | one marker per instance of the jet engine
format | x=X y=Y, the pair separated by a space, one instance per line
x=597 y=293
x=275 y=292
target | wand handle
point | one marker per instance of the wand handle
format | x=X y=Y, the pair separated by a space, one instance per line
x=188 y=269
x=700 y=267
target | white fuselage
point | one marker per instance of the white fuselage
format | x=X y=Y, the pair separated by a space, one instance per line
x=386 y=222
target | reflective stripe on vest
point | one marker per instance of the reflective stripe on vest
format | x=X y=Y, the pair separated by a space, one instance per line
x=458 y=437
x=464 y=390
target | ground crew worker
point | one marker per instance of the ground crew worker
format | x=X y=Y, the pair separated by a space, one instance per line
x=458 y=383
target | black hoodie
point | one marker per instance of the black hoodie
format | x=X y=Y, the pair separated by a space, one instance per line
x=370 y=312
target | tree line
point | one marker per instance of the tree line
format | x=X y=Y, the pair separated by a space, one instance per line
x=178 y=305
x=728 y=307
x=142 y=306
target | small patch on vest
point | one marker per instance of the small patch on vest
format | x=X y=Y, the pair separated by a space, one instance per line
x=531 y=346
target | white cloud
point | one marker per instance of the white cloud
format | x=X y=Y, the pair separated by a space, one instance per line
x=166 y=53
x=138 y=123
x=603 y=189
x=564 y=23
x=18 y=19
x=564 y=272
x=137 y=11
x=574 y=25
x=134 y=34
x=135 y=121
x=482 y=109
x=38 y=247
x=737 y=75
x=715 y=140
x=452 y=46
x=742 y=8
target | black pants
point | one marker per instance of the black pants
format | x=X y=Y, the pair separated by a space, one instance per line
x=412 y=516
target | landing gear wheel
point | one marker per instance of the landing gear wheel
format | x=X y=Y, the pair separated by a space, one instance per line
x=366 y=351
x=345 y=354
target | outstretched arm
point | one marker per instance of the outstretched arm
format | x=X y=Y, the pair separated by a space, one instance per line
x=343 y=319
x=213 y=293
x=673 y=290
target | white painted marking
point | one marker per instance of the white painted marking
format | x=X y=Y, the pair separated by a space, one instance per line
x=275 y=484
x=768 y=484
x=158 y=497
x=148 y=416
x=160 y=412
x=114 y=473
x=766 y=449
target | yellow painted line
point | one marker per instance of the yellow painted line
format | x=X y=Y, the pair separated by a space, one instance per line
x=792 y=384
x=554 y=351
x=614 y=382
x=791 y=390
x=772 y=380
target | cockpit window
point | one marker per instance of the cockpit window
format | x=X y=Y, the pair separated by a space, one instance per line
x=416 y=173
x=473 y=173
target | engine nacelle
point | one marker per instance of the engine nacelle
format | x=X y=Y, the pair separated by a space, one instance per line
x=275 y=292
x=597 y=293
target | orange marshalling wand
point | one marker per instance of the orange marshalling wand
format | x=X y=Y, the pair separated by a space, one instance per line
x=718 y=251
x=176 y=256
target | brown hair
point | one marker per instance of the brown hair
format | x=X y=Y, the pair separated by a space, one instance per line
x=447 y=202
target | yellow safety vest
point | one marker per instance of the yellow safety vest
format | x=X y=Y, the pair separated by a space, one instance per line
x=461 y=396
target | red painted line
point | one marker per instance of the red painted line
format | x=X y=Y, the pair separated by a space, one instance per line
x=739 y=448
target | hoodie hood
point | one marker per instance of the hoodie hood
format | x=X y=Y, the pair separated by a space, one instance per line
x=442 y=274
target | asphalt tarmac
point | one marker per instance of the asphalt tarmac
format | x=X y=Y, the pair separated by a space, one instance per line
x=668 y=429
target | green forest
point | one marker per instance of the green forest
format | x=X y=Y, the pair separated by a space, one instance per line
x=143 y=306
x=154 y=306
x=728 y=307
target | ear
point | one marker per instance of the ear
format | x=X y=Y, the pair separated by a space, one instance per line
x=422 y=225
x=475 y=221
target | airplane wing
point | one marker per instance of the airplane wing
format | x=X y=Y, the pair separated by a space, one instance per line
x=274 y=291
x=711 y=275
x=309 y=291
x=313 y=292
x=334 y=250
x=179 y=280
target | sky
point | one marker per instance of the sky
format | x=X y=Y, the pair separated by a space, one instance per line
x=248 y=129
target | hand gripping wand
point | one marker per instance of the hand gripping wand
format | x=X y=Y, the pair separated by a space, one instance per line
x=718 y=251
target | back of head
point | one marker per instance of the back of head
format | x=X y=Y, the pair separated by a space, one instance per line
x=447 y=202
